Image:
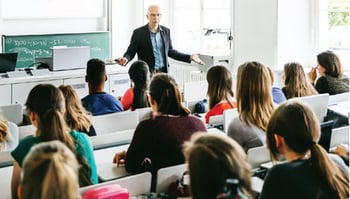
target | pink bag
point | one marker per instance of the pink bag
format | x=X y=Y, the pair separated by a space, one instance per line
x=112 y=191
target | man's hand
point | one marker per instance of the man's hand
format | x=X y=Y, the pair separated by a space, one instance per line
x=195 y=58
x=122 y=61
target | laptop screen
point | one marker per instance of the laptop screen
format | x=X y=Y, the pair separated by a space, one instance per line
x=7 y=62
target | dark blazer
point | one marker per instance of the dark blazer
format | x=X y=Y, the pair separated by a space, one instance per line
x=141 y=44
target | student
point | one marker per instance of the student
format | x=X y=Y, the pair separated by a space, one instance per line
x=254 y=105
x=152 y=44
x=220 y=92
x=136 y=97
x=293 y=131
x=77 y=117
x=277 y=94
x=157 y=142
x=8 y=135
x=99 y=102
x=331 y=80
x=212 y=160
x=45 y=108
x=50 y=170
x=295 y=82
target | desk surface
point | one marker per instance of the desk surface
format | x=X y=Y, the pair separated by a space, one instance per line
x=110 y=69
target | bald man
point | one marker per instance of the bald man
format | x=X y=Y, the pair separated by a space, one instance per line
x=152 y=44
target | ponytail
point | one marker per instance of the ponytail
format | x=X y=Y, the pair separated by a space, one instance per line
x=335 y=178
x=47 y=102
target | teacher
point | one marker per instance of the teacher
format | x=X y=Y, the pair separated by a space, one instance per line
x=152 y=43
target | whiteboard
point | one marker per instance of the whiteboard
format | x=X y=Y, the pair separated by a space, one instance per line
x=42 y=9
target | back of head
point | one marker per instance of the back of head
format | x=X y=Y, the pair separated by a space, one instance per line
x=253 y=94
x=296 y=84
x=50 y=170
x=76 y=115
x=139 y=74
x=95 y=72
x=47 y=102
x=213 y=159
x=330 y=61
x=299 y=127
x=164 y=91
x=219 y=85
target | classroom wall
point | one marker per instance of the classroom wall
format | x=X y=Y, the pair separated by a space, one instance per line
x=271 y=31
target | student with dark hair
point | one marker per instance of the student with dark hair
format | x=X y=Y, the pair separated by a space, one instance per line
x=50 y=170
x=99 y=102
x=157 y=142
x=46 y=107
x=220 y=92
x=331 y=80
x=136 y=97
x=295 y=82
x=294 y=131
x=218 y=168
x=77 y=117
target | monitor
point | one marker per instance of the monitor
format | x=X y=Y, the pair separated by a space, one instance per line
x=8 y=62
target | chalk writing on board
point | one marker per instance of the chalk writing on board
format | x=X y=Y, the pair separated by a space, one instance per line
x=30 y=47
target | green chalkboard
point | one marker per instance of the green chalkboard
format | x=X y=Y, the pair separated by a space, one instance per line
x=30 y=47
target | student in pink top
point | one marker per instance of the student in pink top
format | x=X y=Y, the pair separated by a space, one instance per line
x=136 y=97
x=220 y=92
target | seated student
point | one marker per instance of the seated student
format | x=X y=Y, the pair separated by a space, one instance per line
x=99 y=102
x=293 y=131
x=212 y=160
x=8 y=135
x=77 y=117
x=157 y=142
x=136 y=97
x=45 y=107
x=295 y=82
x=331 y=80
x=254 y=105
x=220 y=92
x=50 y=170
x=277 y=94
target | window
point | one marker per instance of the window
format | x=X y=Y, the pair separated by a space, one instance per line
x=334 y=28
x=202 y=25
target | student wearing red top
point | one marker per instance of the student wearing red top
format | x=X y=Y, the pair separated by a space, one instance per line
x=220 y=92
x=136 y=97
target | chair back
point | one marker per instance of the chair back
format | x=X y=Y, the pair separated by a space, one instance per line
x=229 y=114
x=257 y=156
x=167 y=175
x=114 y=122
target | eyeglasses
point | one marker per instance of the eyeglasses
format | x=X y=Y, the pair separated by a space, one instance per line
x=155 y=15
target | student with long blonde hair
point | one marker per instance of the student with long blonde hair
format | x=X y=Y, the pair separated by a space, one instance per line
x=77 y=117
x=45 y=107
x=50 y=170
x=294 y=131
x=214 y=162
x=254 y=105
x=8 y=135
x=295 y=82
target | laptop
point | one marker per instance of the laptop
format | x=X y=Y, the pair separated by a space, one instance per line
x=68 y=58
x=8 y=62
x=317 y=103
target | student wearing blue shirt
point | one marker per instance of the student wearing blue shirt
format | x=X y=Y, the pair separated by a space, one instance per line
x=99 y=102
